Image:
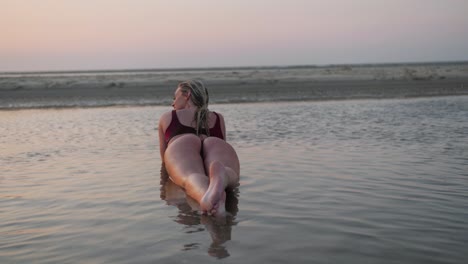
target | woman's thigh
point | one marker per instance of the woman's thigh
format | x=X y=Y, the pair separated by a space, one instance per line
x=215 y=149
x=182 y=158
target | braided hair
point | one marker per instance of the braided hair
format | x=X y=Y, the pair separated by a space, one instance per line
x=200 y=98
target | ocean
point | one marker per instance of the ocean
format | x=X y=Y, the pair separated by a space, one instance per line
x=353 y=181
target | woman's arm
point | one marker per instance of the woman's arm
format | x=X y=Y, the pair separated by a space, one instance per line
x=162 y=126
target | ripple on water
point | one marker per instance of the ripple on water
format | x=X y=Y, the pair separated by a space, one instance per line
x=361 y=181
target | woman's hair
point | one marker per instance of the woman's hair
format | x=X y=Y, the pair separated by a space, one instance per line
x=200 y=98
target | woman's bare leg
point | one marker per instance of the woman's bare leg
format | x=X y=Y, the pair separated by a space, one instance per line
x=185 y=165
x=222 y=164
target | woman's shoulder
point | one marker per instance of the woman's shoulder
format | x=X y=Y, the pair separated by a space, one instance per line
x=167 y=114
x=165 y=118
x=219 y=116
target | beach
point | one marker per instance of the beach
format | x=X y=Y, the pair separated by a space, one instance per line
x=364 y=165
x=349 y=120
x=233 y=85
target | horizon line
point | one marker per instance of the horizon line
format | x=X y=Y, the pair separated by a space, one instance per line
x=292 y=66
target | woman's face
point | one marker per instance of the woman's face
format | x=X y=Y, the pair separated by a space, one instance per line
x=180 y=100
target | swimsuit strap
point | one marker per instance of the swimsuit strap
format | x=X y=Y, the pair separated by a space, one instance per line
x=217 y=132
x=174 y=117
x=218 y=122
x=176 y=128
x=173 y=128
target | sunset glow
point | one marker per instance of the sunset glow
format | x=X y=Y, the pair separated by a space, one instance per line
x=106 y=34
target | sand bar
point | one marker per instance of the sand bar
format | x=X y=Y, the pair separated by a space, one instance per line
x=232 y=85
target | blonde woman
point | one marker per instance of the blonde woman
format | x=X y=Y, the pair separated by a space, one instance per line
x=194 y=150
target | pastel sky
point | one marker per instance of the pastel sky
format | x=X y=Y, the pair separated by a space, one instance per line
x=133 y=34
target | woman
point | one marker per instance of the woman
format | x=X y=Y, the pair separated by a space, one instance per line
x=194 y=151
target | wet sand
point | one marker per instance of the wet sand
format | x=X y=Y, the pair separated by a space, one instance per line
x=233 y=85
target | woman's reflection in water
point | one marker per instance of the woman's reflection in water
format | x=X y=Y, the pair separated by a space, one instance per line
x=219 y=228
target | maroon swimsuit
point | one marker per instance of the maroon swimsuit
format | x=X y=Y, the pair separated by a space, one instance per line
x=176 y=128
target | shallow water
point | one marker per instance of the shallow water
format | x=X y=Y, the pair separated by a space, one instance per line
x=376 y=181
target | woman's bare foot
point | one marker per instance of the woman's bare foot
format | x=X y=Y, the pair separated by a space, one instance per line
x=214 y=200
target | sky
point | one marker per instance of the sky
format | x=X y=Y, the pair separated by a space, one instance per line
x=42 y=35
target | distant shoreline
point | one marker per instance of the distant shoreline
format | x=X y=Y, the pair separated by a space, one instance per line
x=235 y=85
x=223 y=68
x=226 y=94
